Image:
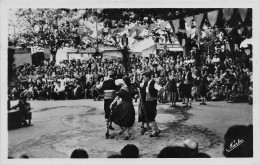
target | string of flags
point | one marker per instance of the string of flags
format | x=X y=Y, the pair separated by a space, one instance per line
x=190 y=28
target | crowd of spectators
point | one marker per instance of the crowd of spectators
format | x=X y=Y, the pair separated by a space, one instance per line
x=226 y=76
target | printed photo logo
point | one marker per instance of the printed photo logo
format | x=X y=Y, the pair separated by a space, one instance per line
x=234 y=144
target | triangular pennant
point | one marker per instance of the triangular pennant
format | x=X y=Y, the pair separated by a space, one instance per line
x=113 y=22
x=212 y=17
x=236 y=47
x=188 y=30
x=183 y=42
x=198 y=19
x=228 y=30
x=207 y=32
x=132 y=30
x=163 y=24
x=119 y=30
x=139 y=31
x=227 y=13
x=151 y=27
x=188 y=21
x=176 y=25
x=228 y=46
x=243 y=12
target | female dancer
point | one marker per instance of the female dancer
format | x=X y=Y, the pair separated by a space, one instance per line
x=123 y=114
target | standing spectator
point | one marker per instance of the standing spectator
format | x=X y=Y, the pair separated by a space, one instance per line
x=172 y=89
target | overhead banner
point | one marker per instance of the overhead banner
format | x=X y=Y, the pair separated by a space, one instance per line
x=212 y=17
x=139 y=31
x=243 y=12
x=163 y=25
x=198 y=19
x=227 y=13
x=176 y=24
x=133 y=30
x=188 y=21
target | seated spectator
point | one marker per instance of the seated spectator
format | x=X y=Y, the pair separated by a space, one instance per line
x=115 y=156
x=79 y=153
x=239 y=141
x=175 y=152
x=59 y=91
x=23 y=156
x=24 y=109
x=130 y=151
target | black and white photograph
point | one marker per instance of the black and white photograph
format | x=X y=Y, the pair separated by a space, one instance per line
x=100 y=80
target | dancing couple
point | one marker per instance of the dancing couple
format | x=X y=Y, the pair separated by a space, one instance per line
x=121 y=113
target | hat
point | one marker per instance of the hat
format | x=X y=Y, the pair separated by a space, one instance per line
x=111 y=73
x=147 y=73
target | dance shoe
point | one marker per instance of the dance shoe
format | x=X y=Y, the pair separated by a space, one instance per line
x=155 y=134
x=121 y=132
x=127 y=137
x=107 y=135
x=110 y=127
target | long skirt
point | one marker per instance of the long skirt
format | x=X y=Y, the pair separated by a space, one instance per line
x=123 y=114
x=187 y=90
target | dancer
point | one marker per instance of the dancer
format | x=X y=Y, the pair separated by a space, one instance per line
x=123 y=114
x=141 y=113
x=151 y=91
x=203 y=87
x=109 y=87
x=187 y=86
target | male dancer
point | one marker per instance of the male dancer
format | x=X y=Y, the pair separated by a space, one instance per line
x=109 y=87
x=152 y=91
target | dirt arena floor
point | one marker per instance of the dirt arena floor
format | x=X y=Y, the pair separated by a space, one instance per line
x=59 y=127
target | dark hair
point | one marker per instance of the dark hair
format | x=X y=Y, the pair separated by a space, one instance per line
x=79 y=153
x=243 y=137
x=127 y=81
x=202 y=155
x=23 y=156
x=175 y=152
x=115 y=156
x=130 y=151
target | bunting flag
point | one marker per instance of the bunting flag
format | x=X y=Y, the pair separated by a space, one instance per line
x=176 y=25
x=119 y=30
x=188 y=21
x=236 y=47
x=113 y=22
x=228 y=46
x=163 y=25
x=141 y=28
x=198 y=20
x=228 y=30
x=212 y=17
x=207 y=31
x=151 y=27
x=227 y=13
x=183 y=42
x=243 y=12
x=188 y=30
x=133 y=29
